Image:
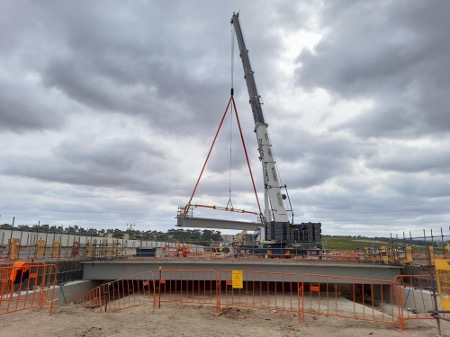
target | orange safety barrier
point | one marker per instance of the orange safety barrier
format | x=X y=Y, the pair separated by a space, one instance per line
x=188 y=287
x=261 y=290
x=91 y=299
x=347 y=297
x=131 y=291
x=394 y=302
x=338 y=256
x=414 y=297
x=26 y=285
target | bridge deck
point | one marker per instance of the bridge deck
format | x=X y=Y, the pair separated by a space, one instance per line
x=118 y=269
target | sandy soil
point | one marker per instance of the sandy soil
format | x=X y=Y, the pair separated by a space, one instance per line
x=174 y=320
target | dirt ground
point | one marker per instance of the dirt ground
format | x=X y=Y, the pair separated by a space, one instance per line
x=175 y=320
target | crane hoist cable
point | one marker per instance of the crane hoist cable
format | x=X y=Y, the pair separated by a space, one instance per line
x=230 y=203
x=232 y=59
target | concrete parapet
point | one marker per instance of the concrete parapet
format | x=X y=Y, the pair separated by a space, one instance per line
x=67 y=291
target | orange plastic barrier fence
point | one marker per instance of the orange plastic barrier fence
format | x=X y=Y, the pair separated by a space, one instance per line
x=415 y=297
x=338 y=256
x=356 y=298
x=261 y=290
x=132 y=291
x=188 y=287
x=129 y=292
x=26 y=285
x=395 y=302
x=91 y=299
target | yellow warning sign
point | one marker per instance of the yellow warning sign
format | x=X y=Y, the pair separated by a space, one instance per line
x=40 y=249
x=14 y=248
x=55 y=249
x=443 y=280
x=236 y=279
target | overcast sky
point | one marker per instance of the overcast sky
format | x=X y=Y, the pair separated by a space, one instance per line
x=108 y=110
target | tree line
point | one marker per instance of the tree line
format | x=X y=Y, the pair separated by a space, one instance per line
x=172 y=235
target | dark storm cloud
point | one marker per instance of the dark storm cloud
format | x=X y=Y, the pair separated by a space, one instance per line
x=396 y=54
x=24 y=105
x=117 y=106
x=161 y=63
x=125 y=164
x=119 y=60
x=308 y=158
x=412 y=159
x=428 y=186
x=19 y=114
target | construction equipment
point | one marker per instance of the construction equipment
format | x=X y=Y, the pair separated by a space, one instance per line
x=279 y=224
x=274 y=232
x=239 y=240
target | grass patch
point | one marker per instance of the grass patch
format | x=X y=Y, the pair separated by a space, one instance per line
x=343 y=243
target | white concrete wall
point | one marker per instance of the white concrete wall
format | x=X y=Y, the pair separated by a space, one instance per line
x=28 y=238
x=421 y=301
x=70 y=290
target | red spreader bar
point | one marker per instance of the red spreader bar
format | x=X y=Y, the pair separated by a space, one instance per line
x=228 y=209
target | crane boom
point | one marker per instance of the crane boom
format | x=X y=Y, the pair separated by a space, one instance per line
x=275 y=210
x=255 y=99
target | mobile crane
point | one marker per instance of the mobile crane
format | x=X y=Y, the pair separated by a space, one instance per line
x=279 y=224
x=276 y=231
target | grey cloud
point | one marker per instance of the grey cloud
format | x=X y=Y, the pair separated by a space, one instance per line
x=424 y=186
x=315 y=171
x=348 y=206
x=309 y=159
x=397 y=55
x=410 y=159
x=130 y=164
x=21 y=115
x=26 y=105
x=154 y=77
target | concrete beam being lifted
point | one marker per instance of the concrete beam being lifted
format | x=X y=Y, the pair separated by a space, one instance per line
x=216 y=223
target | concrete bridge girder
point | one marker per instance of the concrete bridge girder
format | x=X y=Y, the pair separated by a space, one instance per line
x=112 y=270
x=216 y=223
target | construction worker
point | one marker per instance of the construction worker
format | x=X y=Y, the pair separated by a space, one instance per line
x=184 y=250
x=19 y=272
x=165 y=250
